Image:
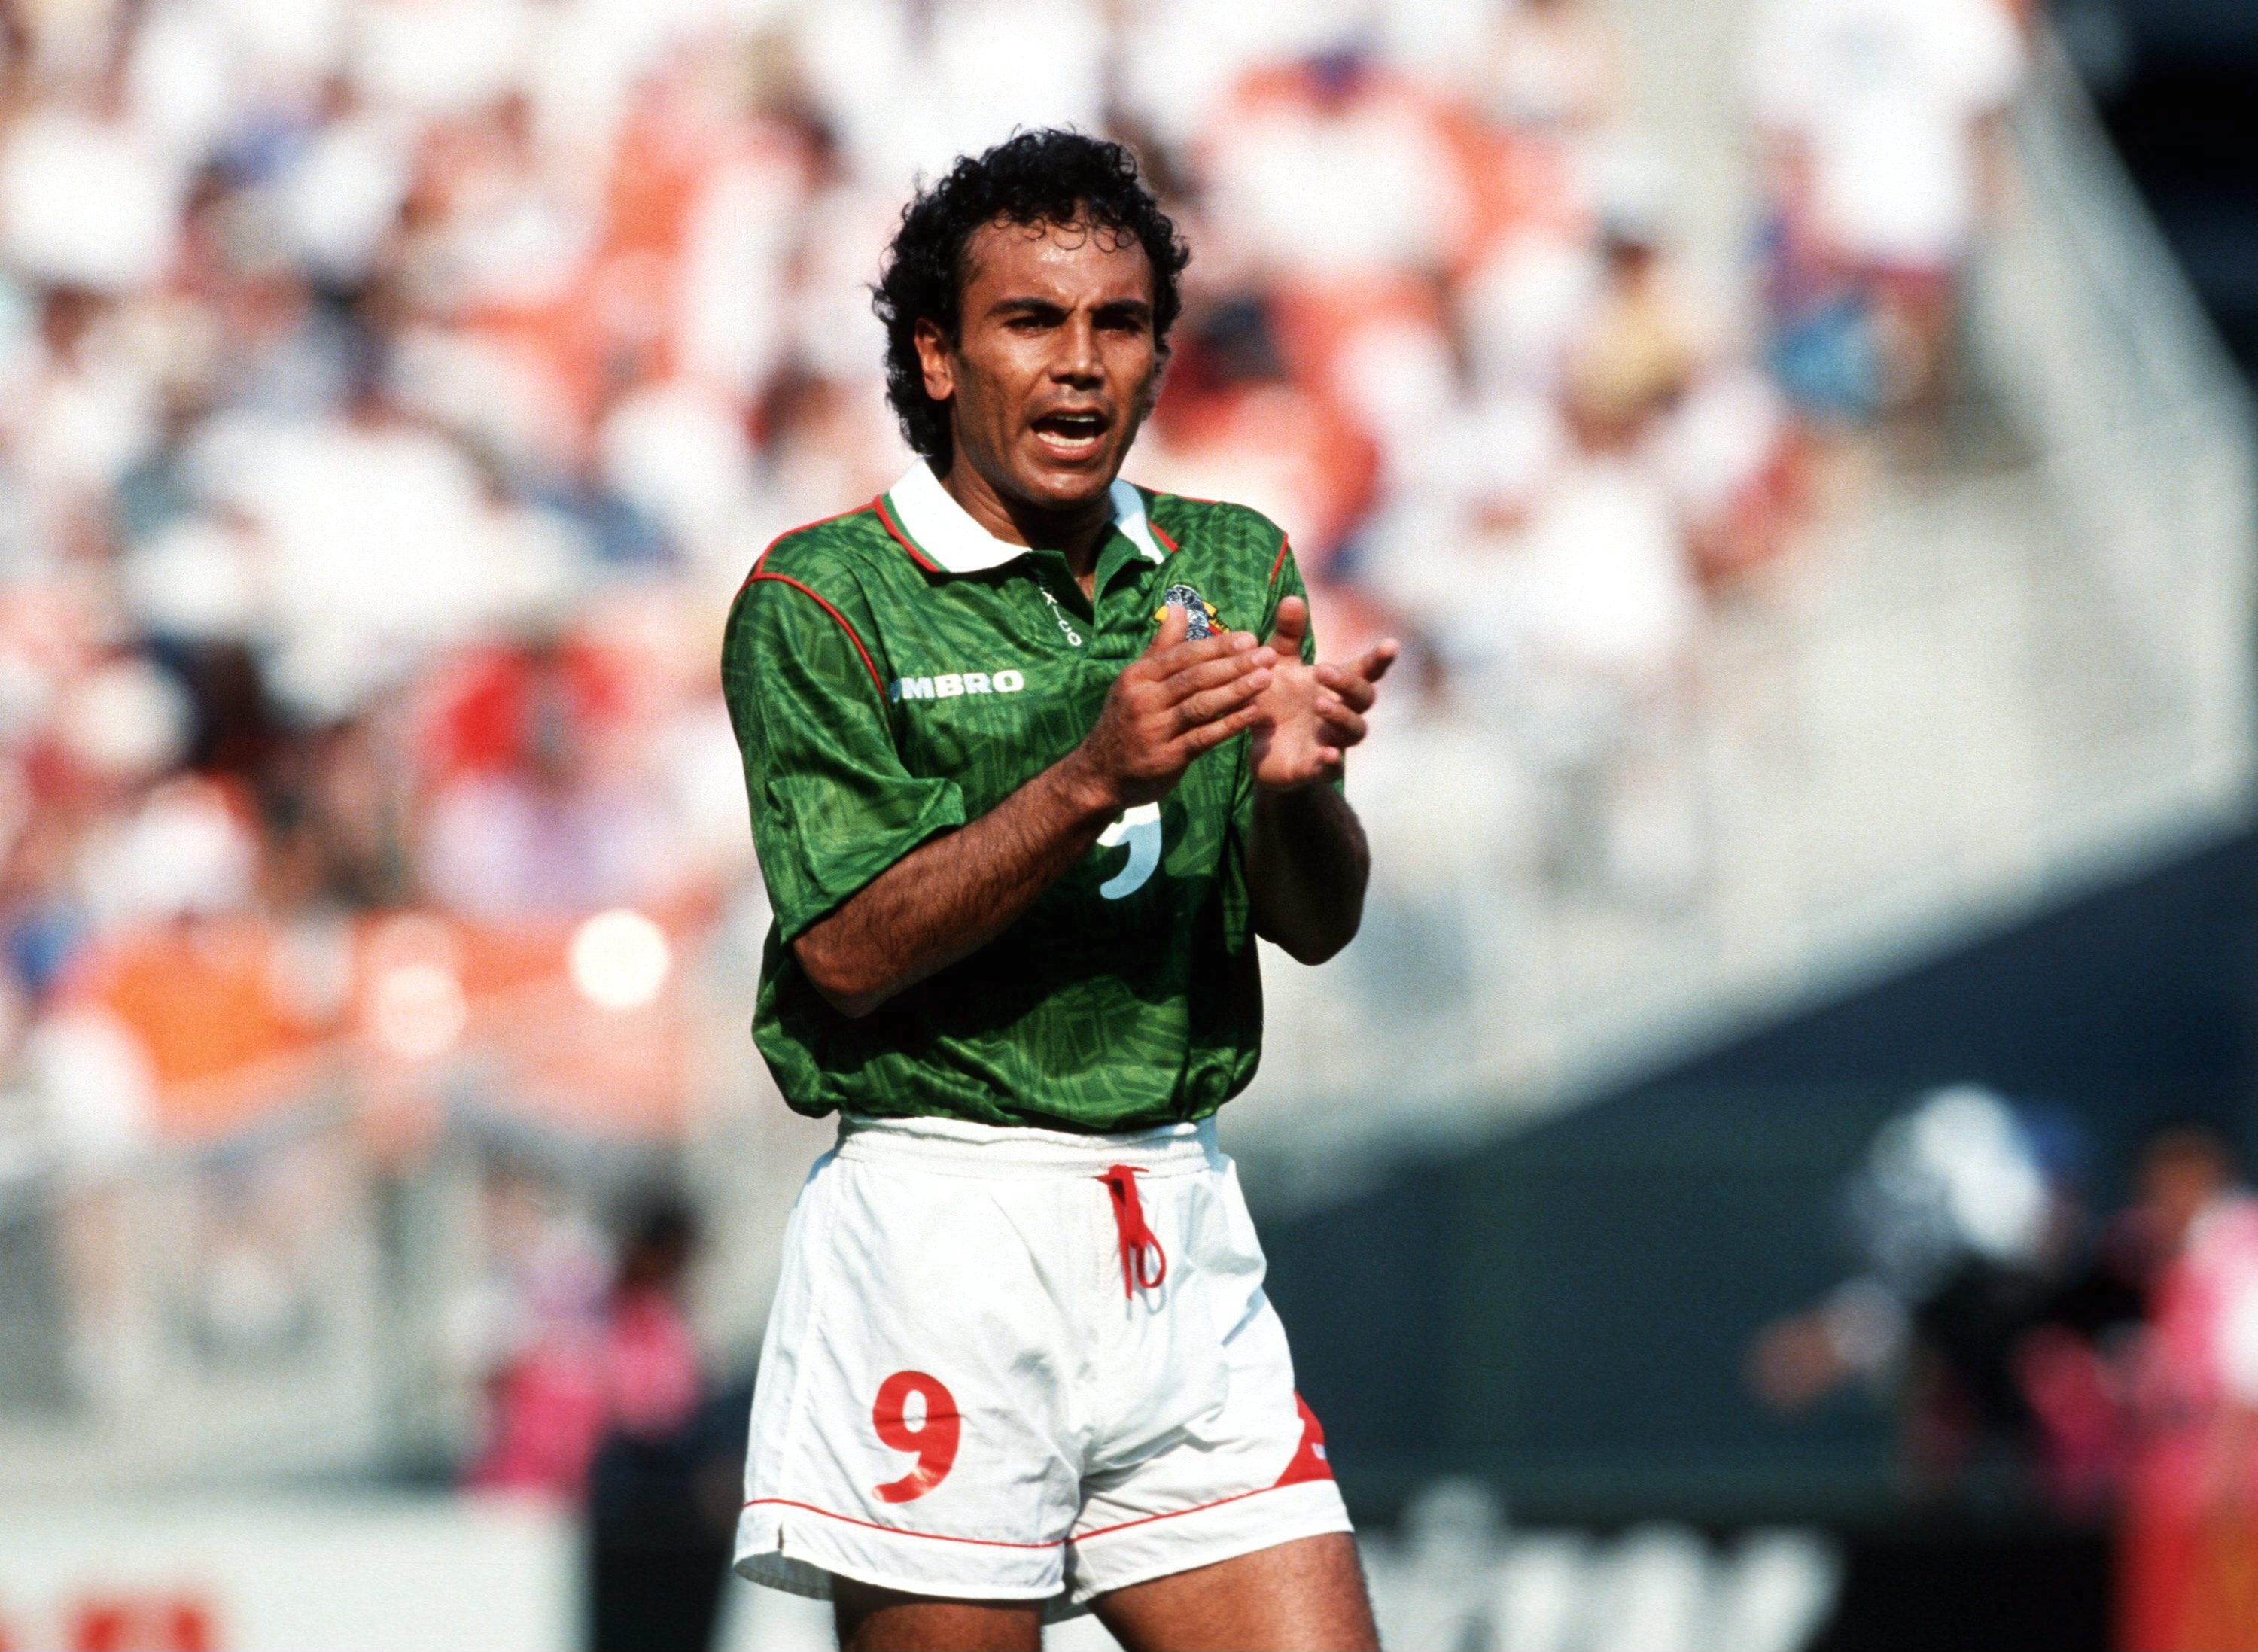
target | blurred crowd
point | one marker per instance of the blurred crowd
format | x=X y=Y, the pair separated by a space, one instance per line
x=1879 y=130
x=397 y=389
x=393 y=394
x=2029 y=1344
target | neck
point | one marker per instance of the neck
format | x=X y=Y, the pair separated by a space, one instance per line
x=1077 y=531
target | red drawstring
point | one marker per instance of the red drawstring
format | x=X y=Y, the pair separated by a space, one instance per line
x=1137 y=1241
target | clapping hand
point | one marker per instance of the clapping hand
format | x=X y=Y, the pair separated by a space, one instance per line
x=1310 y=715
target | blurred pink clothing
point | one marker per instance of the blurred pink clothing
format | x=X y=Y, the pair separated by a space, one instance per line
x=2193 y=1482
x=548 y=1416
x=654 y=1379
x=2201 y=1352
x=638 y=1375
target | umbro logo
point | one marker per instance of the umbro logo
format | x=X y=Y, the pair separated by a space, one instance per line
x=950 y=684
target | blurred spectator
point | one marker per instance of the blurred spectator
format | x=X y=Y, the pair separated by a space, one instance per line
x=577 y=1347
x=63 y=159
x=1987 y=1310
x=598 y=1398
x=665 y=1484
x=534 y=1329
x=532 y=819
x=1877 y=118
x=2191 y=1514
x=1556 y=68
x=1335 y=170
x=1233 y=419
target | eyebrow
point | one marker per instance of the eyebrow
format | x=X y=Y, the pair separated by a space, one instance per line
x=1030 y=305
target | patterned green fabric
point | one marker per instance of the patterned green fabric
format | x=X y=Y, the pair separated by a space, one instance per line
x=880 y=700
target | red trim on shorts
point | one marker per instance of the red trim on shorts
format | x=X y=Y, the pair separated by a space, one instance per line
x=1309 y=1460
x=787 y=579
x=997 y=1542
x=896 y=1531
x=901 y=538
x=1285 y=544
x=1146 y=1520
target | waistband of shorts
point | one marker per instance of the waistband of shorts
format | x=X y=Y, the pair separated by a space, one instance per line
x=960 y=1147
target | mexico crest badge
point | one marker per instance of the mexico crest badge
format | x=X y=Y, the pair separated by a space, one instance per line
x=1198 y=611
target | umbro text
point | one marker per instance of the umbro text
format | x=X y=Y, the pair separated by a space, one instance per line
x=950 y=684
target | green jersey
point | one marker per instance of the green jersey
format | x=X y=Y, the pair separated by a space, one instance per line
x=898 y=672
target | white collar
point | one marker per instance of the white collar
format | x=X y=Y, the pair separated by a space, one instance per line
x=945 y=533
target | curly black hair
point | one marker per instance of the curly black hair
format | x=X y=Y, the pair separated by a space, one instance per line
x=1038 y=177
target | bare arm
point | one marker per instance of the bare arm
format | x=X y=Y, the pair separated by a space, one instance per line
x=949 y=897
x=1306 y=869
x=1308 y=864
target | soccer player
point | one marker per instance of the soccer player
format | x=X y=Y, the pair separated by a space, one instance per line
x=1028 y=781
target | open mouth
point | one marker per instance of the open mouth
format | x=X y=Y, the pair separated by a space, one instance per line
x=1071 y=436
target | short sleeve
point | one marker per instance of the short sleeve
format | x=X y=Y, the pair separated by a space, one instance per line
x=831 y=804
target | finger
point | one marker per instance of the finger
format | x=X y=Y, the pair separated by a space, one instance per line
x=1207 y=736
x=1212 y=673
x=1173 y=623
x=1345 y=727
x=1219 y=702
x=1290 y=625
x=1167 y=662
x=1353 y=681
x=1343 y=681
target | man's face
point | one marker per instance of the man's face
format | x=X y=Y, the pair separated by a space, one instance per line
x=1054 y=364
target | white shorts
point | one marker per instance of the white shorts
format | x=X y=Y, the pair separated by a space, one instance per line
x=962 y=1393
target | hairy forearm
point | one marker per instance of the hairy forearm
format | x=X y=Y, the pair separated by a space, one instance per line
x=1306 y=870
x=949 y=897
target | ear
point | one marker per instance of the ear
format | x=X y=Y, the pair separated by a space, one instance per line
x=934 y=360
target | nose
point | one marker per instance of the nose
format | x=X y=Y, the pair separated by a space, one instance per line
x=1077 y=361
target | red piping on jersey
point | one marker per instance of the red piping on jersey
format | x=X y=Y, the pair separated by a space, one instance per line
x=1285 y=544
x=896 y=1531
x=1137 y=1241
x=787 y=579
x=1162 y=533
x=787 y=533
x=901 y=538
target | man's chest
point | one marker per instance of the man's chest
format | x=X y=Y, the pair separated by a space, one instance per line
x=992 y=679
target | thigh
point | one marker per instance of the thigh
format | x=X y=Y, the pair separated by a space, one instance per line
x=1304 y=1596
x=873 y=1620
x=912 y=1424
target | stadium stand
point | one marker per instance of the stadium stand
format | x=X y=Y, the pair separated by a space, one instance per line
x=397 y=392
